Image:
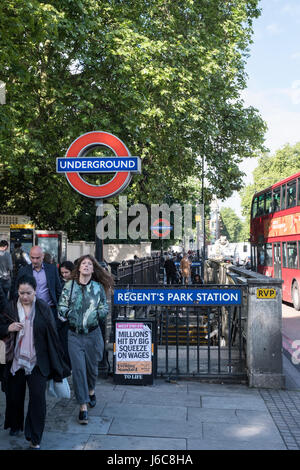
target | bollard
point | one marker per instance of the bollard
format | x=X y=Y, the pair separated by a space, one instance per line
x=264 y=333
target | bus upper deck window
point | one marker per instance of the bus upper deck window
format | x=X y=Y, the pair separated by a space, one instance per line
x=254 y=208
x=276 y=200
x=261 y=205
x=268 y=207
x=283 y=192
x=291 y=194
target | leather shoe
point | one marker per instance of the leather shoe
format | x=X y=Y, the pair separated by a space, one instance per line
x=83 y=417
x=92 y=401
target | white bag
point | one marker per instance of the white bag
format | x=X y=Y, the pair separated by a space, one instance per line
x=59 y=389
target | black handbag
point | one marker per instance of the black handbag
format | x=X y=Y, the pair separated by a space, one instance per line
x=9 y=342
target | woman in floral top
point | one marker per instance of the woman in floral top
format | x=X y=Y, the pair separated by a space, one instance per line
x=83 y=304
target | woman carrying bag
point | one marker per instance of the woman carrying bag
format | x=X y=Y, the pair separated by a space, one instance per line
x=35 y=357
x=83 y=304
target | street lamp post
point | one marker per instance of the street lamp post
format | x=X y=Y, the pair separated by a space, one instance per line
x=203 y=220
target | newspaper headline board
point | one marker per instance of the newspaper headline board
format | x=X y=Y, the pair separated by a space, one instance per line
x=133 y=352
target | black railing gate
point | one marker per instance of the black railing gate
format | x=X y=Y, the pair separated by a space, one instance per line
x=193 y=340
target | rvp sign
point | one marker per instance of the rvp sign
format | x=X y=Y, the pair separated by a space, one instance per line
x=266 y=293
x=122 y=165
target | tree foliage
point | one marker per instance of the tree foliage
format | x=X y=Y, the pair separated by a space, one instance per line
x=163 y=75
x=271 y=169
x=231 y=225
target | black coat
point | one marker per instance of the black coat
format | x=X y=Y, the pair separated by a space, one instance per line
x=49 y=354
x=52 y=276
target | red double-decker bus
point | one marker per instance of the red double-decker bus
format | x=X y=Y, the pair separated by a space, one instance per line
x=275 y=235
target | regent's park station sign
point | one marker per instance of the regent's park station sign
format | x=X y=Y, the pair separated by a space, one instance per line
x=178 y=296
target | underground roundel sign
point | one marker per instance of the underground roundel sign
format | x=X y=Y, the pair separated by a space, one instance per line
x=75 y=162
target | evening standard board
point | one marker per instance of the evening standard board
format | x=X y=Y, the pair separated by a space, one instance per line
x=133 y=352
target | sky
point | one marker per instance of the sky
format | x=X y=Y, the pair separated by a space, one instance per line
x=273 y=85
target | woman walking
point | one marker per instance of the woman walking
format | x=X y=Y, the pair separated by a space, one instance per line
x=83 y=304
x=36 y=356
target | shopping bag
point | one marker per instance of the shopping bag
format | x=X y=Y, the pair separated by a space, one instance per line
x=59 y=389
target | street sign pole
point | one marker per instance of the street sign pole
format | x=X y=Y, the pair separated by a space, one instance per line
x=99 y=236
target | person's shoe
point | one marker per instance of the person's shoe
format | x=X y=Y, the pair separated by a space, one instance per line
x=15 y=433
x=92 y=401
x=83 y=417
x=34 y=447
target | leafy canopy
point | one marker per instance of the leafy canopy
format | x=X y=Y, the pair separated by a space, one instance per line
x=163 y=75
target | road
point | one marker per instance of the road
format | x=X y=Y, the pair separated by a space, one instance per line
x=291 y=345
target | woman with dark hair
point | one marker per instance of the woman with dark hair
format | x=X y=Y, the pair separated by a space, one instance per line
x=35 y=357
x=65 y=271
x=83 y=304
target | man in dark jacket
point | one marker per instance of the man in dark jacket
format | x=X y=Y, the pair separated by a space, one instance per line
x=171 y=271
x=47 y=278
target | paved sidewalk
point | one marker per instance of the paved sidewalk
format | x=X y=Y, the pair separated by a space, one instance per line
x=186 y=415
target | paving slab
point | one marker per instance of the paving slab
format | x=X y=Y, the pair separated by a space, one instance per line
x=253 y=417
x=213 y=444
x=234 y=402
x=145 y=411
x=209 y=415
x=159 y=386
x=156 y=428
x=263 y=434
x=97 y=425
x=221 y=389
x=64 y=441
x=164 y=398
x=134 y=443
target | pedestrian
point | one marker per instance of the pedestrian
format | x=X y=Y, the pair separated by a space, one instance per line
x=171 y=271
x=185 y=269
x=47 y=278
x=36 y=356
x=65 y=271
x=6 y=267
x=19 y=257
x=83 y=305
x=197 y=279
x=48 y=258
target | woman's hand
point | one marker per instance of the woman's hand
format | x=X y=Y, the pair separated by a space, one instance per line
x=16 y=326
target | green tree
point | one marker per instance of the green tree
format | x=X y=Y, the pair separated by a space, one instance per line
x=231 y=225
x=270 y=169
x=163 y=75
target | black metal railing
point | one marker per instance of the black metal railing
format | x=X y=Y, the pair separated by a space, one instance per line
x=141 y=271
x=193 y=340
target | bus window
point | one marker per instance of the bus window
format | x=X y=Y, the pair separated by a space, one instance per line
x=291 y=194
x=283 y=191
x=268 y=254
x=276 y=200
x=298 y=192
x=254 y=208
x=261 y=255
x=299 y=255
x=268 y=202
x=284 y=260
x=261 y=205
x=292 y=254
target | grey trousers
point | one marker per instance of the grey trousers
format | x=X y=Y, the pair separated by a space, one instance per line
x=85 y=352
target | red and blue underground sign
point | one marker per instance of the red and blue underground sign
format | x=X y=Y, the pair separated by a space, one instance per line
x=75 y=162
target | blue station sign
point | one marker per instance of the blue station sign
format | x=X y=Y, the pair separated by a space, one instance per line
x=98 y=164
x=186 y=296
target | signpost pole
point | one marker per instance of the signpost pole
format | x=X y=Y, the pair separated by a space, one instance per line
x=98 y=236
